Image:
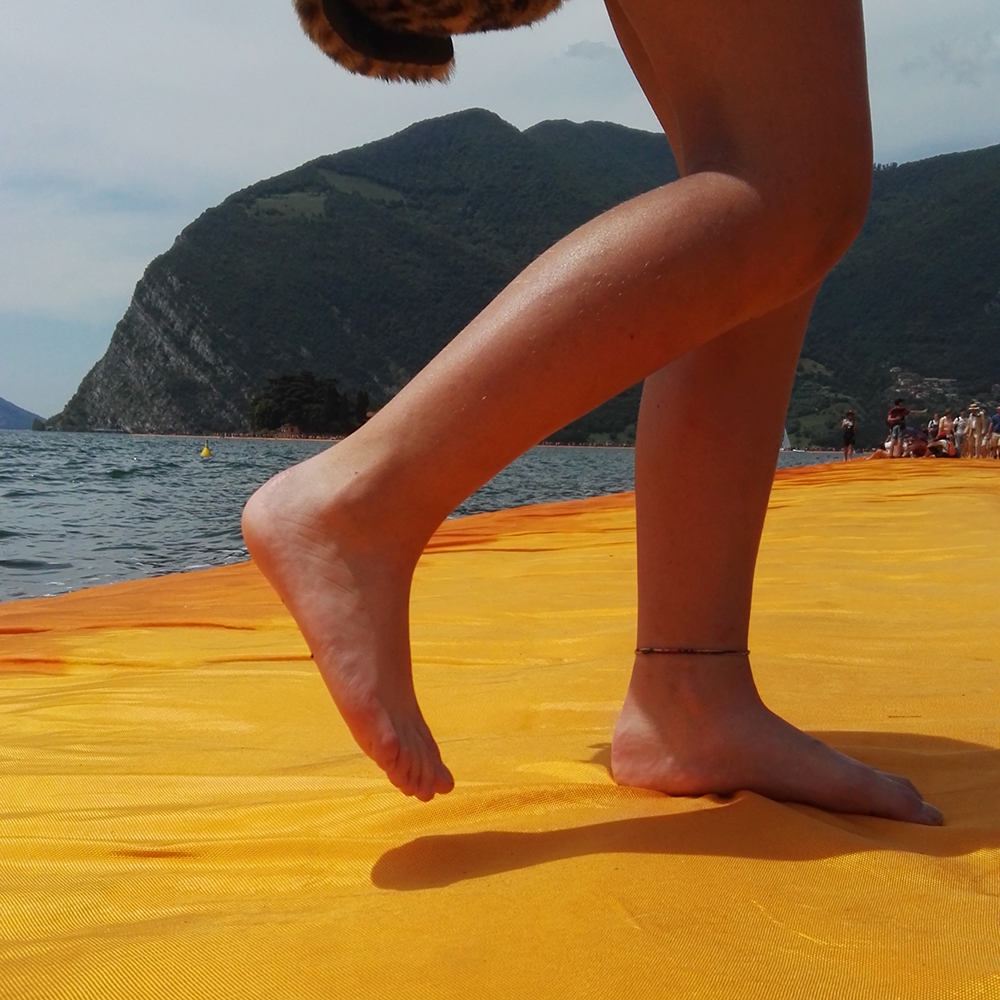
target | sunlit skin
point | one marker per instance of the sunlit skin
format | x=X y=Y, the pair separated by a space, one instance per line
x=702 y=287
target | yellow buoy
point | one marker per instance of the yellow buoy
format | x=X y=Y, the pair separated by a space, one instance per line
x=206 y=452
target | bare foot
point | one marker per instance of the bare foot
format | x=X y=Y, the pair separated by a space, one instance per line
x=347 y=586
x=694 y=728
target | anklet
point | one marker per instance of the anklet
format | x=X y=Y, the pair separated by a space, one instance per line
x=690 y=651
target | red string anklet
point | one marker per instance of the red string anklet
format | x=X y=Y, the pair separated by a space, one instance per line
x=689 y=651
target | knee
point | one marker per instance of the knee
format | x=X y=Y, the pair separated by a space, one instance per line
x=818 y=215
x=840 y=206
x=790 y=221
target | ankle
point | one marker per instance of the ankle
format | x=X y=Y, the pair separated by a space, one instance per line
x=359 y=501
x=692 y=685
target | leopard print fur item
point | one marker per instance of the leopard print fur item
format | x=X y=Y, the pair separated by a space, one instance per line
x=407 y=39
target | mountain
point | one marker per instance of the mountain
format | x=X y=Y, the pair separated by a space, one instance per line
x=913 y=309
x=13 y=418
x=360 y=266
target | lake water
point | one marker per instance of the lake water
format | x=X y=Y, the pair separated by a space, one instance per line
x=78 y=510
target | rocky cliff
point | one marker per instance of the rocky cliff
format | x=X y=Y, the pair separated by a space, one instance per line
x=161 y=372
x=362 y=265
x=358 y=266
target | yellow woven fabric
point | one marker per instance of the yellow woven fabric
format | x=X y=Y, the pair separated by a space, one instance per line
x=182 y=812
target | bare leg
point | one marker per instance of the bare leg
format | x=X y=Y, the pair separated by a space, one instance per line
x=695 y=724
x=766 y=108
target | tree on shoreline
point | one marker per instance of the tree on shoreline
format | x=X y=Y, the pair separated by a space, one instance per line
x=308 y=404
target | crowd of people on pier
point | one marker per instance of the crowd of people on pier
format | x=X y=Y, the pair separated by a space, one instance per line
x=972 y=433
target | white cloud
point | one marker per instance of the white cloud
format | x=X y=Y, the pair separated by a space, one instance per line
x=592 y=50
x=964 y=61
x=920 y=107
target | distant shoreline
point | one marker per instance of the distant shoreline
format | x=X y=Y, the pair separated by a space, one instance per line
x=217 y=436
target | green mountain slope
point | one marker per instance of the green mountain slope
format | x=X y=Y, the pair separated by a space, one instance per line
x=919 y=291
x=360 y=266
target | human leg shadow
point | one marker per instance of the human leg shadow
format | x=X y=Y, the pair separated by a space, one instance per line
x=963 y=778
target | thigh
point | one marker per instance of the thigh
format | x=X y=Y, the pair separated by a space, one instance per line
x=773 y=89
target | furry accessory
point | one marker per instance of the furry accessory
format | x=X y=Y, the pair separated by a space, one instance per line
x=407 y=39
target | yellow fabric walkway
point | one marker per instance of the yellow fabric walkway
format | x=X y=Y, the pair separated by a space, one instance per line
x=182 y=813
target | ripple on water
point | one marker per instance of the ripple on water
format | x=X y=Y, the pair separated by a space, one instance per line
x=97 y=508
x=33 y=564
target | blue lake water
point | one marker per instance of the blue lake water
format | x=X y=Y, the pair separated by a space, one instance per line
x=79 y=510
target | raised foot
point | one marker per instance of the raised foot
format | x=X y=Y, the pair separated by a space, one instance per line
x=700 y=729
x=347 y=587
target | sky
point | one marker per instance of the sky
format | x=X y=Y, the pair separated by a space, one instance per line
x=120 y=122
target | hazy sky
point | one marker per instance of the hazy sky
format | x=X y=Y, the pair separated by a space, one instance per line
x=121 y=121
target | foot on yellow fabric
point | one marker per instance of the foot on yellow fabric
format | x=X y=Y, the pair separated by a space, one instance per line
x=348 y=591
x=689 y=727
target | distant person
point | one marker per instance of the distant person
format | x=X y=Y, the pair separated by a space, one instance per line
x=916 y=445
x=941 y=447
x=946 y=426
x=896 y=421
x=946 y=435
x=995 y=434
x=702 y=288
x=961 y=426
x=932 y=427
x=975 y=442
x=849 y=430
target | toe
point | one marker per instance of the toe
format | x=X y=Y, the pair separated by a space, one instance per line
x=437 y=776
x=386 y=749
x=400 y=772
x=423 y=771
x=916 y=809
x=903 y=802
x=443 y=780
x=392 y=754
x=425 y=790
x=932 y=816
x=905 y=782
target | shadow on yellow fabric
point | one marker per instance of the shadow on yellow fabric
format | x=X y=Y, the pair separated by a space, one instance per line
x=746 y=831
x=182 y=813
